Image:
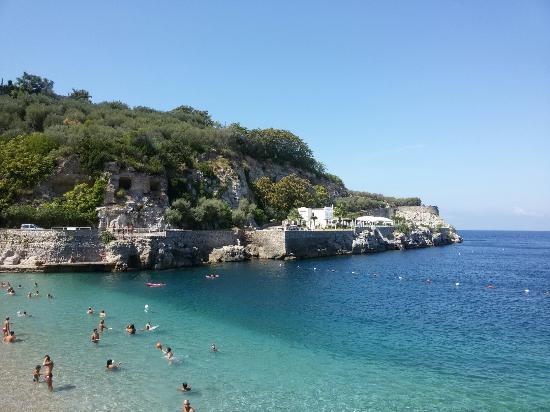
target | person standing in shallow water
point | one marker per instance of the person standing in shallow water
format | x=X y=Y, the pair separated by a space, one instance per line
x=49 y=380
x=6 y=327
x=36 y=374
x=48 y=364
x=95 y=336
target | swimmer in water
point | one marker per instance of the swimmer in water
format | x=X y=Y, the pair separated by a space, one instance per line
x=111 y=365
x=95 y=336
x=36 y=293
x=213 y=348
x=29 y=295
x=185 y=387
x=187 y=406
x=10 y=338
x=102 y=314
x=90 y=311
x=101 y=325
x=50 y=296
x=168 y=354
x=36 y=374
x=131 y=329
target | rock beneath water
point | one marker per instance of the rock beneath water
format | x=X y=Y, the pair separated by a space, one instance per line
x=231 y=253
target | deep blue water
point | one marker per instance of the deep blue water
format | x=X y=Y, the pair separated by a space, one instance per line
x=351 y=333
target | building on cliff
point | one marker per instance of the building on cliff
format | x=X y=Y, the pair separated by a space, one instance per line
x=320 y=218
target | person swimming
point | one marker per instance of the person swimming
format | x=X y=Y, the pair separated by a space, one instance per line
x=90 y=311
x=50 y=296
x=95 y=336
x=36 y=374
x=213 y=348
x=131 y=329
x=185 y=387
x=29 y=295
x=102 y=314
x=168 y=354
x=111 y=365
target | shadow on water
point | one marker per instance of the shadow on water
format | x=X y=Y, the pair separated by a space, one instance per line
x=67 y=387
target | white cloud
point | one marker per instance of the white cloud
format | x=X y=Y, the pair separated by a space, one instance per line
x=518 y=211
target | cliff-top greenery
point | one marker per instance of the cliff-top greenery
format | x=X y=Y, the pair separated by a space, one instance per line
x=38 y=128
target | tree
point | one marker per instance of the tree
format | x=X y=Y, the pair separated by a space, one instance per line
x=212 y=214
x=180 y=214
x=294 y=216
x=246 y=214
x=33 y=84
x=290 y=192
x=80 y=94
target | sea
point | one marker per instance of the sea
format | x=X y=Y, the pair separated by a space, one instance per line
x=464 y=327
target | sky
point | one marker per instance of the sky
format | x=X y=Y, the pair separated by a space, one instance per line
x=448 y=100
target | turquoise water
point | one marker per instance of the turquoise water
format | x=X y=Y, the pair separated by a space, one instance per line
x=306 y=335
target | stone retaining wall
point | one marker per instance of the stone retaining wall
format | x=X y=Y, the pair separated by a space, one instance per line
x=49 y=246
x=305 y=244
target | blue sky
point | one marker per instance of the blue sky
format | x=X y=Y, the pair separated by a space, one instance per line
x=447 y=100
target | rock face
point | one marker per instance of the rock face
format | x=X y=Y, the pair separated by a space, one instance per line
x=372 y=240
x=232 y=253
x=133 y=199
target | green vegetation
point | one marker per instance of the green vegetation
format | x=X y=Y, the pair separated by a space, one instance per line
x=292 y=191
x=107 y=237
x=402 y=225
x=24 y=161
x=76 y=207
x=39 y=128
x=208 y=214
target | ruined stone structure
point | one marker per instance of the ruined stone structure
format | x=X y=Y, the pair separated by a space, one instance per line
x=133 y=199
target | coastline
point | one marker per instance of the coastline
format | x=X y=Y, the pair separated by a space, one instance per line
x=84 y=251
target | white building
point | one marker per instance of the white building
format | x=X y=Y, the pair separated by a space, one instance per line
x=317 y=218
x=365 y=221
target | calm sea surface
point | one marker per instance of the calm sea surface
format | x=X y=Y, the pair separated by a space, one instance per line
x=355 y=333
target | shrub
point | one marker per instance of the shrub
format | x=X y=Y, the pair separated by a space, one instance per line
x=107 y=237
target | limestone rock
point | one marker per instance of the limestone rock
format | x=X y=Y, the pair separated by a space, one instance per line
x=233 y=253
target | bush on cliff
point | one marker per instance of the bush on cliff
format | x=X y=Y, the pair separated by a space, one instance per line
x=212 y=214
x=248 y=214
x=207 y=214
x=24 y=161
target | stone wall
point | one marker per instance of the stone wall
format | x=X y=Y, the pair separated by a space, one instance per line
x=48 y=246
x=266 y=244
x=305 y=244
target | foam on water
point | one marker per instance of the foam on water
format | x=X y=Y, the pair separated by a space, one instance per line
x=312 y=335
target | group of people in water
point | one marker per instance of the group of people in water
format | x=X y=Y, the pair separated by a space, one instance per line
x=44 y=372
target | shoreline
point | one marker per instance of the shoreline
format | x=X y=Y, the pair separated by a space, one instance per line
x=54 y=251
